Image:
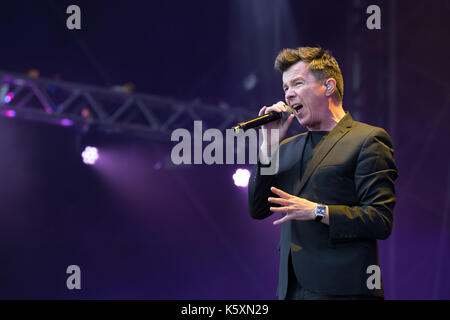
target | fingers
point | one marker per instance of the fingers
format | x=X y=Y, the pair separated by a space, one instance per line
x=280 y=193
x=277 y=107
x=286 y=217
x=281 y=201
x=287 y=124
x=262 y=111
x=281 y=209
x=282 y=220
x=273 y=108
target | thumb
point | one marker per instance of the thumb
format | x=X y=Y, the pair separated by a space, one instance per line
x=287 y=124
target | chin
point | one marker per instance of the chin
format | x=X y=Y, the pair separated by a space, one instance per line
x=304 y=122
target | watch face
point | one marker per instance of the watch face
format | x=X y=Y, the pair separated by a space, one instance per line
x=320 y=210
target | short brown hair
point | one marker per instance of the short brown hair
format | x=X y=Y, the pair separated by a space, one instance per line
x=321 y=63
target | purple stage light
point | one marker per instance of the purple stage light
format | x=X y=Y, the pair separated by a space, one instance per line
x=8 y=98
x=241 y=177
x=10 y=113
x=66 y=122
x=90 y=155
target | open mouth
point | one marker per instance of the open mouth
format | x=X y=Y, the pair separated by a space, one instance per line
x=297 y=107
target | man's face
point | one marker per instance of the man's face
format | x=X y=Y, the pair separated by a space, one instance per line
x=306 y=95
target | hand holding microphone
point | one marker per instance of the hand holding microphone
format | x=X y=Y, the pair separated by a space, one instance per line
x=278 y=111
x=269 y=144
x=266 y=115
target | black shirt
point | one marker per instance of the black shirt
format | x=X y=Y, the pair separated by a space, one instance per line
x=312 y=140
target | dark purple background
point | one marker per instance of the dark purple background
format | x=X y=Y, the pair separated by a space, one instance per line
x=185 y=233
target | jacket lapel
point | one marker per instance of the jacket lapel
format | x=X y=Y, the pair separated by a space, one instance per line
x=323 y=148
x=299 y=160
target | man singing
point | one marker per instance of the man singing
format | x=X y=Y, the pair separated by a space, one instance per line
x=334 y=187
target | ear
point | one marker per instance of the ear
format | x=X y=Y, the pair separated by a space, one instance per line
x=330 y=86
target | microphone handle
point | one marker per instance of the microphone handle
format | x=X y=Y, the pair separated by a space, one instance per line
x=266 y=118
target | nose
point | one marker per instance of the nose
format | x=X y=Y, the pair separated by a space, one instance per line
x=289 y=94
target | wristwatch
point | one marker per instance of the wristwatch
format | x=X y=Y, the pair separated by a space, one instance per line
x=320 y=211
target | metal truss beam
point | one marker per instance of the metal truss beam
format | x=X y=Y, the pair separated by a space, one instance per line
x=144 y=115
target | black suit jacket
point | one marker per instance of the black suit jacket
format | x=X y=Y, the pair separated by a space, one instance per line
x=353 y=172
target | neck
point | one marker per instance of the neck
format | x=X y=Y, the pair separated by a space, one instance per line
x=335 y=113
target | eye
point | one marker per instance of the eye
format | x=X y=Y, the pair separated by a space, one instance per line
x=298 y=83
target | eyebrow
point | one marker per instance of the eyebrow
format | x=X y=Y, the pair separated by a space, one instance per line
x=295 y=79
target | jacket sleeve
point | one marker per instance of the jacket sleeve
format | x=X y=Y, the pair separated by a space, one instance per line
x=375 y=174
x=259 y=192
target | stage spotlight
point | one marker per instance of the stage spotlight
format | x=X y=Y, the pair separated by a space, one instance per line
x=66 y=122
x=10 y=113
x=241 y=177
x=90 y=155
x=85 y=113
x=8 y=98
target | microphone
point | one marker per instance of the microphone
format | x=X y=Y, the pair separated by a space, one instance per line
x=259 y=121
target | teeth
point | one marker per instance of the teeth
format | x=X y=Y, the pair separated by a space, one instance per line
x=297 y=106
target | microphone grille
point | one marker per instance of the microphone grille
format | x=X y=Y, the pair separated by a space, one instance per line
x=286 y=115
